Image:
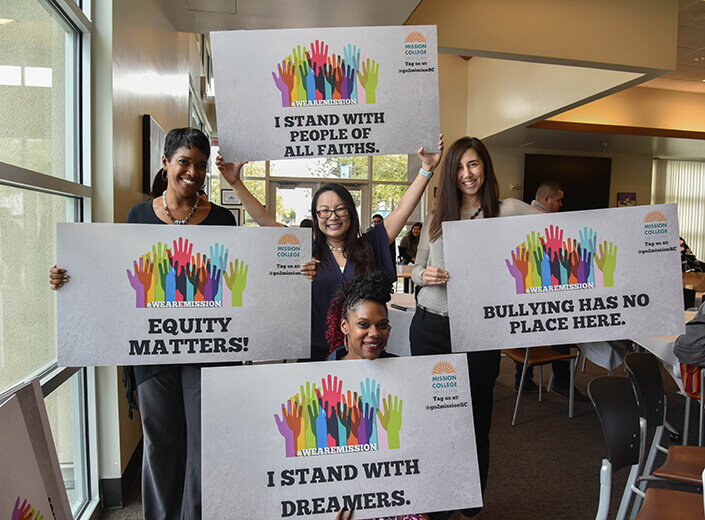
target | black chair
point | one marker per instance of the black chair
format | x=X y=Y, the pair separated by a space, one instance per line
x=625 y=434
x=683 y=463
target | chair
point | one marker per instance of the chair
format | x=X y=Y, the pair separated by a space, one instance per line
x=540 y=356
x=625 y=439
x=683 y=463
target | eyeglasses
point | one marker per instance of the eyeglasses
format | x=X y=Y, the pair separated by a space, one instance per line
x=339 y=212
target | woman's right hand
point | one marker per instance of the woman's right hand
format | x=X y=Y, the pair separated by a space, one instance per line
x=229 y=171
x=340 y=516
x=57 y=277
x=434 y=276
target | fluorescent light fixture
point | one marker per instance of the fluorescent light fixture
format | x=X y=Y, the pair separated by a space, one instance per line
x=37 y=76
x=10 y=75
x=4 y=21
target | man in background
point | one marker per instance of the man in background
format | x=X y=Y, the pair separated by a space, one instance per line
x=549 y=197
x=376 y=219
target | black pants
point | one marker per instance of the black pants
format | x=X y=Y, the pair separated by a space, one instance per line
x=430 y=334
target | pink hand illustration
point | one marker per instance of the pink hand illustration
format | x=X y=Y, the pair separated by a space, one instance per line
x=554 y=238
x=319 y=54
x=330 y=393
x=182 y=251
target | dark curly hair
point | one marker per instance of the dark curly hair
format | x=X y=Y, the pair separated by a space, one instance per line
x=376 y=287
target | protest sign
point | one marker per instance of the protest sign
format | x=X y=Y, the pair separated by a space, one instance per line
x=564 y=277
x=31 y=485
x=385 y=437
x=149 y=294
x=326 y=92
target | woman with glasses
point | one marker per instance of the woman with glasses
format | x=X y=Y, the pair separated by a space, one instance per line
x=340 y=251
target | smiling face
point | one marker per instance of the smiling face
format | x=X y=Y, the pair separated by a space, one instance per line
x=186 y=172
x=471 y=175
x=334 y=227
x=416 y=231
x=366 y=326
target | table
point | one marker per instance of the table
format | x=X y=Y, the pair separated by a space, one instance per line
x=404 y=271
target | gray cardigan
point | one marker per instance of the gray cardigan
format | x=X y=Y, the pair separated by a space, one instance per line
x=434 y=298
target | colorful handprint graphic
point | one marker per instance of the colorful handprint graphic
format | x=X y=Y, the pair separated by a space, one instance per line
x=323 y=419
x=174 y=277
x=550 y=262
x=313 y=77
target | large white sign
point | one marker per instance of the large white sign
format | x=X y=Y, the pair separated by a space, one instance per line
x=564 y=277
x=326 y=92
x=31 y=485
x=385 y=437
x=150 y=294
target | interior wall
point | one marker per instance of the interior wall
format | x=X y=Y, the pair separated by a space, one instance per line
x=630 y=172
x=153 y=66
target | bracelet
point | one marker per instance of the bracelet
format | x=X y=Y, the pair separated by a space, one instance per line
x=425 y=173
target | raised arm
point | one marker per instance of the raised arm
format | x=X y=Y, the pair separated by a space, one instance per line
x=231 y=173
x=398 y=218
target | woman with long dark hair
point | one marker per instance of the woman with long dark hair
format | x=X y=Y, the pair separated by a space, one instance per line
x=170 y=395
x=340 y=250
x=410 y=244
x=468 y=190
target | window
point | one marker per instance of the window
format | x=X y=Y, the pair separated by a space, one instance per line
x=43 y=60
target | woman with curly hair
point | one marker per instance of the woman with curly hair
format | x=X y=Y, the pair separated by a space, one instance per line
x=358 y=328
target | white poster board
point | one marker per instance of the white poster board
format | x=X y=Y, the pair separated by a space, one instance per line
x=507 y=289
x=409 y=448
x=150 y=294
x=326 y=92
x=31 y=485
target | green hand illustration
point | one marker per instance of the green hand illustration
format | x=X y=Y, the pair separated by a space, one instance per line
x=607 y=262
x=533 y=243
x=306 y=398
x=236 y=280
x=369 y=77
x=391 y=420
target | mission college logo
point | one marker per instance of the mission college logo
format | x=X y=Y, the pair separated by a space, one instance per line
x=655 y=225
x=326 y=420
x=444 y=378
x=312 y=77
x=289 y=247
x=173 y=277
x=552 y=262
x=415 y=45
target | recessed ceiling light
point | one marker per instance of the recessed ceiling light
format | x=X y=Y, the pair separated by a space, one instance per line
x=699 y=58
x=4 y=21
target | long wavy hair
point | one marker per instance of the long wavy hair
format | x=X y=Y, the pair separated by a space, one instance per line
x=450 y=199
x=356 y=248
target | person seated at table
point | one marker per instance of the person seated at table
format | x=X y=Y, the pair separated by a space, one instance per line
x=358 y=328
x=409 y=244
x=689 y=262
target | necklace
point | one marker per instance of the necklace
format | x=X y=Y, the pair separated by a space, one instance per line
x=336 y=249
x=180 y=222
x=477 y=212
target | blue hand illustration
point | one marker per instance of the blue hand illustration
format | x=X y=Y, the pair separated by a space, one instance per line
x=543 y=260
x=319 y=423
x=351 y=55
x=370 y=395
x=588 y=239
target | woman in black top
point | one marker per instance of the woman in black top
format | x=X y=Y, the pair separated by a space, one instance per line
x=170 y=395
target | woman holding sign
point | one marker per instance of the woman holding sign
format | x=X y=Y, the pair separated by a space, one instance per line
x=170 y=395
x=468 y=190
x=358 y=328
x=340 y=250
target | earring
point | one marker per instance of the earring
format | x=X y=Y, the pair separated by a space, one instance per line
x=162 y=171
x=345 y=343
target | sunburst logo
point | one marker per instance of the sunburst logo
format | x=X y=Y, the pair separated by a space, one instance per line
x=289 y=239
x=655 y=216
x=443 y=367
x=415 y=37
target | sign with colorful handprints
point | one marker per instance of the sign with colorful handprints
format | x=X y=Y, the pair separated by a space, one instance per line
x=383 y=437
x=326 y=92
x=152 y=294
x=564 y=277
x=31 y=484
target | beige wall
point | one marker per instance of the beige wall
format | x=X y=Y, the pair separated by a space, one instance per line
x=638 y=33
x=630 y=172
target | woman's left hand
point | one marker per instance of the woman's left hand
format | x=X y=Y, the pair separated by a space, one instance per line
x=430 y=160
x=308 y=269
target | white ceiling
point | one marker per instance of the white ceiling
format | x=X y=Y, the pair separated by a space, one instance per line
x=203 y=16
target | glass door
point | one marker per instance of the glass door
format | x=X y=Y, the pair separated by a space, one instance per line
x=293 y=201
